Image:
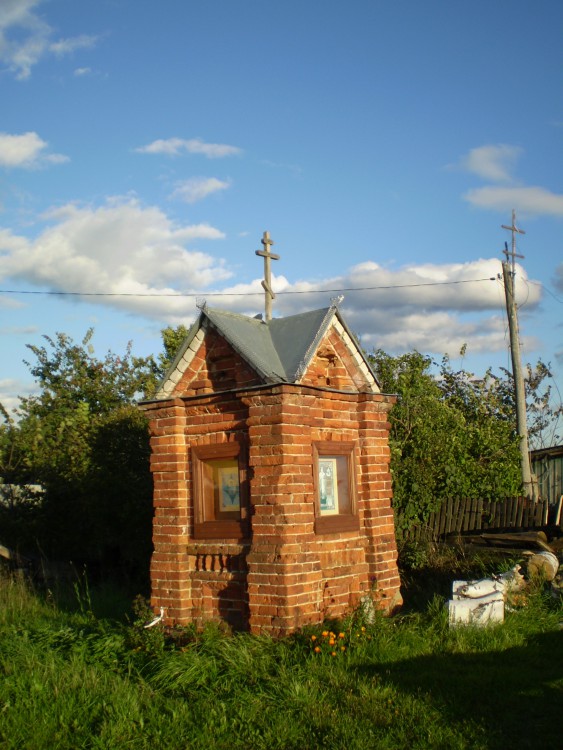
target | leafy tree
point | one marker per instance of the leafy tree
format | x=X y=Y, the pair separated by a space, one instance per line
x=451 y=435
x=18 y=503
x=83 y=439
x=172 y=339
x=544 y=418
x=154 y=370
x=8 y=451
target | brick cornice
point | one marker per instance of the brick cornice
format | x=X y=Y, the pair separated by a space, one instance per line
x=276 y=388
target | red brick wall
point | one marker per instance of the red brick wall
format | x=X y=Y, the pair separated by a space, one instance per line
x=296 y=576
x=215 y=367
x=334 y=366
x=218 y=580
x=287 y=575
x=196 y=585
x=181 y=573
x=169 y=563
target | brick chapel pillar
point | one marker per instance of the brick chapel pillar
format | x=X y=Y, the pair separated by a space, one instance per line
x=284 y=574
x=376 y=496
x=169 y=564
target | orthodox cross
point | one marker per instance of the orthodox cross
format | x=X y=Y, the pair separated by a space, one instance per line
x=267 y=282
x=514 y=229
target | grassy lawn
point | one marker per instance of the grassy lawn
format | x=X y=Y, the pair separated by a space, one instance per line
x=76 y=678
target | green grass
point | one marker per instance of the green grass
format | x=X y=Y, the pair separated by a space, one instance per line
x=75 y=679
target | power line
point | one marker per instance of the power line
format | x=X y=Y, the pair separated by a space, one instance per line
x=539 y=283
x=243 y=294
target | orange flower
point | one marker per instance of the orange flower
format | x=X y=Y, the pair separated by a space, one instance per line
x=333 y=653
x=343 y=648
x=331 y=642
x=342 y=635
x=313 y=637
x=317 y=649
x=325 y=633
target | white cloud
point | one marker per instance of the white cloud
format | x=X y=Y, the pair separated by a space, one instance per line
x=10 y=303
x=18 y=150
x=177 y=146
x=18 y=330
x=27 y=150
x=25 y=38
x=198 y=188
x=472 y=287
x=14 y=11
x=492 y=162
x=495 y=164
x=68 y=46
x=530 y=200
x=10 y=392
x=82 y=72
x=118 y=248
x=434 y=333
x=432 y=308
x=125 y=248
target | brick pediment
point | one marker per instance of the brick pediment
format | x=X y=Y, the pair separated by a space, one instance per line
x=209 y=365
x=337 y=363
x=225 y=351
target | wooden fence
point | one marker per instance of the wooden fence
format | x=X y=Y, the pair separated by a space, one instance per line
x=458 y=515
x=547 y=465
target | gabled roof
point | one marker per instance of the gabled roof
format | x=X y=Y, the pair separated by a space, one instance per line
x=279 y=350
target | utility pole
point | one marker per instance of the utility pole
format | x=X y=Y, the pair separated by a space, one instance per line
x=267 y=281
x=508 y=272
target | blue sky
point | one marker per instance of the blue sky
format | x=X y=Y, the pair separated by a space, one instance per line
x=145 y=147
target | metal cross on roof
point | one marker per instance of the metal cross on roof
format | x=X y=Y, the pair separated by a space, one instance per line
x=267 y=282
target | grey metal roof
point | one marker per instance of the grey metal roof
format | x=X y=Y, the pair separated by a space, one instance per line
x=296 y=338
x=279 y=350
x=251 y=338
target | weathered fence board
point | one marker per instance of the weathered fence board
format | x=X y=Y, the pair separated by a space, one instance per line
x=547 y=465
x=456 y=515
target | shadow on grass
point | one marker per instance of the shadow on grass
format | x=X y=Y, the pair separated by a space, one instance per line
x=516 y=695
x=106 y=599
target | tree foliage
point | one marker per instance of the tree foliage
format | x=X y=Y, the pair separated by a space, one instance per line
x=153 y=369
x=545 y=415
x=172 y=339
x=451 y=434
x=8 y=455
x=84 y=440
